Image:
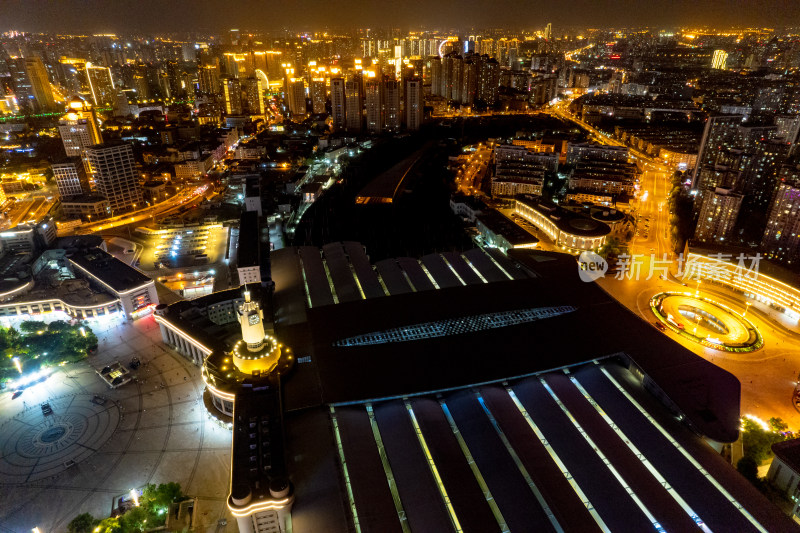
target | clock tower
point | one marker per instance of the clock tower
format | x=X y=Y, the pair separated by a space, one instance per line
x=251 y=319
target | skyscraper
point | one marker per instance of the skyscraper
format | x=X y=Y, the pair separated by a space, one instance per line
x=720 y=132
x=413 y=103
x=718 y=215
x=489 y=80
x=318 y=94
x=338 y=104
x=101 y=84
x=232 y=92
x=548 y=31
x=436 y=76
x=296 y=96
x=374 y=105
x=78 y=127
x=353 y=105
x=208 y=78
x=391 y=105
x=782 y=236
x=21 y=84
x=254 y=91
x=31 y=84
x=114 y=173
x=760 y=179
x=469 y=80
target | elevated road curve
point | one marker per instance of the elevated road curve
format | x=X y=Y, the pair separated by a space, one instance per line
x=706 y=322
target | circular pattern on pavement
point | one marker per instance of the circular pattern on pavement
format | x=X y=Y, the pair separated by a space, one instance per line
x=706 y=322
x=35 y=445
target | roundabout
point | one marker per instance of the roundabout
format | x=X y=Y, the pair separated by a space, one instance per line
x=706 y=322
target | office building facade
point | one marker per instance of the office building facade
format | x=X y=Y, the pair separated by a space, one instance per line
x=115 y=176
x=71 y=178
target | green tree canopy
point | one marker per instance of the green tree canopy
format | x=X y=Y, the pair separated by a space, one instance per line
x=32 y=326
x=83 y=523
x=109 y=525
x=748 y=468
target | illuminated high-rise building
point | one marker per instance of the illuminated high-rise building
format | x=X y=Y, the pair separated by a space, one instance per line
x=548 y=31
x=782 y=235
x=296 y=96
x=254 y=90
x=488 y=89
x=451 y=76
x=760 y=179
x=368 y=48
x=374 y=105
x=413 y=103
x=208 y=78
x=338 y=104
x=318 y=94
x=232 y=92
x=391 y=105
x=74 y=74
x=115 y=177
x=486 y=47
x=353 y=105
x=788 y=128
x=469 y=80
x=398 y=60
x=719 y=60
x=436 y=76
x=101 y=84
x=718 y=215
x=78 y=128
x=31 y=84
x=720 y=132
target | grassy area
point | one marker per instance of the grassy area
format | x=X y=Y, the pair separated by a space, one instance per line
x=37 y=345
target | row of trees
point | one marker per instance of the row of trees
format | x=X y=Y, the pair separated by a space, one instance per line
x=37 y=344
x=150 y=514
x=681 y=213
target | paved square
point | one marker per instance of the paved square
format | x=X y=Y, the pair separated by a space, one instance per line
x=88 y=451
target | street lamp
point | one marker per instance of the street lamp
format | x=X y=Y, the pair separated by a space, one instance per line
x=747 y=306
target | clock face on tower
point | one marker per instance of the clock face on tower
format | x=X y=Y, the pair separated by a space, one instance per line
x=253 y=319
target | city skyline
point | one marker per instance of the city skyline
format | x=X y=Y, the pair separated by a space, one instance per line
x=338 y=266
x=316 y=15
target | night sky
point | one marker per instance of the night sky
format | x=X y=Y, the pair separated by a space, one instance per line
x=214 y=15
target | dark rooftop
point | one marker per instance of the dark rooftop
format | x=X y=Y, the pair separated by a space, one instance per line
x=788 y=451
x=247 y=250
x=386 y=187
x=709 y=396
x=499 y=224
x=259 y=465
x=110 y=270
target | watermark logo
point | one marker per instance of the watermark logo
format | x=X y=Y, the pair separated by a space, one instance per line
x=591 y=266
x=720 y=268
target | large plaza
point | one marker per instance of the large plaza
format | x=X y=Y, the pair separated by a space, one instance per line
x=99 y=443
